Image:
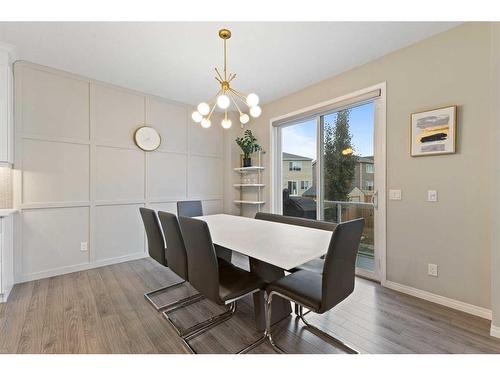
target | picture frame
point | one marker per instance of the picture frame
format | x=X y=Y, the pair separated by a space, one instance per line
x=433 y=132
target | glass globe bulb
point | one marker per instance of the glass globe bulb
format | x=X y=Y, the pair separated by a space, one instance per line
x=205 y=123
x=255 y=111
x=196 y=116
x=244 y=118
x=226 y=123
x=252 y=100
x=223 y=101
x=203 y=108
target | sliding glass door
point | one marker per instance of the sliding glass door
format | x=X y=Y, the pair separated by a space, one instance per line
x=349 y=190
x=331 y=167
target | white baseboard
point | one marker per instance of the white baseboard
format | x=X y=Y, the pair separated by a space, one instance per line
x=436 y=298
x=78 y=267
x=495 y=331
x=5 y=296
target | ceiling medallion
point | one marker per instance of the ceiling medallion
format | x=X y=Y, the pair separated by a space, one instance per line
x=225 y=96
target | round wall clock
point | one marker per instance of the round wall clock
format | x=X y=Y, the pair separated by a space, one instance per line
x=147 y=138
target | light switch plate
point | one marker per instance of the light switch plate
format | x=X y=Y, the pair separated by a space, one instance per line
x=395 y=194
x=83 y=246
x=432 y=195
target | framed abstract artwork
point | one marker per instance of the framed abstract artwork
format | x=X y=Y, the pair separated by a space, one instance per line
x=433 y=132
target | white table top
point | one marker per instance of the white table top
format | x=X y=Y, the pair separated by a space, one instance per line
x=283 y=245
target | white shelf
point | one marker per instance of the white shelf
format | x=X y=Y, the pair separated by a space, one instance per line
x=249 y=169
x=249 y=185
x=250 y=202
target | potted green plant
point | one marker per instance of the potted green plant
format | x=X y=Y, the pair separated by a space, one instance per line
x=248 y=144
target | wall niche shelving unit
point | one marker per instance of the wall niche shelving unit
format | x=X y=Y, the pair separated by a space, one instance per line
x=251 y=179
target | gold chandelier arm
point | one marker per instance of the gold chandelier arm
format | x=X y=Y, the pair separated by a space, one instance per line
x=225 y=114
x=211 y=111
x=231 y=77
x=218 y=73
x=239 y=96
x=234 y=101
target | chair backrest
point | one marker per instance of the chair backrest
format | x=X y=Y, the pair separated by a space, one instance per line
x=176 y=251
x=156 y=246
x=189 y=208
x=203 y=268
x=317 y=224
x=340 y=263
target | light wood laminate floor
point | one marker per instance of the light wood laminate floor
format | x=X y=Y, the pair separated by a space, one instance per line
x=103 y=311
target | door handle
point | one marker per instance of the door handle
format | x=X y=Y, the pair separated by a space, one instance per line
x=375 y=199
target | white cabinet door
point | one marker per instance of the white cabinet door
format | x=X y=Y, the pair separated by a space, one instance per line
x=6 y=123
x=7 y=257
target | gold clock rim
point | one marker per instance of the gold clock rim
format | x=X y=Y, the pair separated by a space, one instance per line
x=150 y=127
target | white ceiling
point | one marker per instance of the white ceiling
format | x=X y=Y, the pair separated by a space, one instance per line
x=176 y=60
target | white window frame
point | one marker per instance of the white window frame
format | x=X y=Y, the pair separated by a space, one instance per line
x=371 y=168
x=315 y=111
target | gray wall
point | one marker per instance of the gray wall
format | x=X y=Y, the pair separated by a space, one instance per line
x=446 y=69
x=80 y=178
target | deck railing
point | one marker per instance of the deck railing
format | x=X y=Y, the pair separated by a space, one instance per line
x=338 y=205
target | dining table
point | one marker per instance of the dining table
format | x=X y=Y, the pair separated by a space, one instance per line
x=272 y=248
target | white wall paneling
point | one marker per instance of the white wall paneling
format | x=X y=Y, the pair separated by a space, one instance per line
x=119 y=174
x=205 y=177
x=51 y=239
x=118 y=113
x=167 y=176
x=119 y=231
x=55 y=106
x=207 y=141
x=211 y=207
x=83 y=179
x=55 y=171
x=171 y=121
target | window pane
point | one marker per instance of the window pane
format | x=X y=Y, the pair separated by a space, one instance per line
x=299 y=144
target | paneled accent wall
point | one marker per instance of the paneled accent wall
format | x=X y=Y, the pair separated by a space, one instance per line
x=82 y=178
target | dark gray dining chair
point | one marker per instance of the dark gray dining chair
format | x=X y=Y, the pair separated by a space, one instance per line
x=320 y=292
x=171 y=258
x=189 y=208
x=221 y=285
x=194 y=208
x=315 y=265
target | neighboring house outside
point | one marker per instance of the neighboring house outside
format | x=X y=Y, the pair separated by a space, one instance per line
x=363 y=182
x=299 y=177
x=297 y=173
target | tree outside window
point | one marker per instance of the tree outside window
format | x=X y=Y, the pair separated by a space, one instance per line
x=338 y=165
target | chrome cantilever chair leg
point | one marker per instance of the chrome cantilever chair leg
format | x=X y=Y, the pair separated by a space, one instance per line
x=315 y=329
x=267 y=332
x=182 y=301
x=200 y=327
x=349 y=349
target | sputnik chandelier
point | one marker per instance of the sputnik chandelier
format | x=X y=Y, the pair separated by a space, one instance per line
x=226 y=96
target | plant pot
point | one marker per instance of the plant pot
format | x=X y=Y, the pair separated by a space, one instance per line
x=247 y=162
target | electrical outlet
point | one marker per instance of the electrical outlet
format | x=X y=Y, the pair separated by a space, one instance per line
x=432 y=269
x=83 y=246
x=394 y=195
x=432 y=195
